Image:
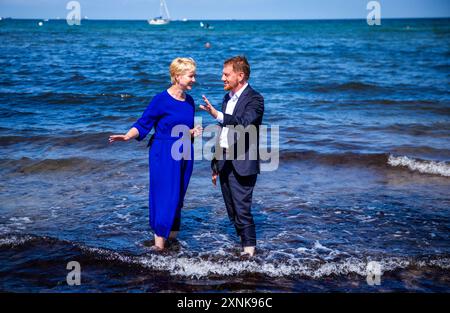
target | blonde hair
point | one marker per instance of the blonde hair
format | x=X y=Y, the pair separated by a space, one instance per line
x=179 y=66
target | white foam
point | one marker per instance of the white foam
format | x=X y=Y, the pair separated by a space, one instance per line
x=20 y=220
x=4 y=229
x=319 y=246
x=426 y=167
x=14 y=240
x=125 y=217
x=204 y=235
x=110 y=225
x=201 y=266
x=302 y=250
x=198 y=267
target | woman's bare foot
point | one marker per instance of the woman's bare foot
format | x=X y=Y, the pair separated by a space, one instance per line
x=156 y=248
x=159 y=243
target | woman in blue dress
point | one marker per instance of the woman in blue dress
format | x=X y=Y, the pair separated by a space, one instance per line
x=171 y=154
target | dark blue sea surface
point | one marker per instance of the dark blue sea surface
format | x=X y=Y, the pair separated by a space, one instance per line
x=363 y=175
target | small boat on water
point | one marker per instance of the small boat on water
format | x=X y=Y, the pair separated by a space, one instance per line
x=160 y=20
x=206 y=26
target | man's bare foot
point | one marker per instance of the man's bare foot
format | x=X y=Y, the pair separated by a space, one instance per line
x=249 y=250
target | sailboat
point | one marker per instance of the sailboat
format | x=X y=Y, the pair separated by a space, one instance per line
x=160 y=20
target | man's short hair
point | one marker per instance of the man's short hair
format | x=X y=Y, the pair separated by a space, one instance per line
x=240 y=64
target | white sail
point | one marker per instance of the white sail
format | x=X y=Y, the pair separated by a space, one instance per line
x=163 y=3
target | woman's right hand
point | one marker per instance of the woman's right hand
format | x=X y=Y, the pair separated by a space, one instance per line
x=114 y=138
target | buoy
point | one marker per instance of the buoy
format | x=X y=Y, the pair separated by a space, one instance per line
x=40 y=23
x=207 y=45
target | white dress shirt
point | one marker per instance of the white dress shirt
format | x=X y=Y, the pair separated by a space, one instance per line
x=231 y=104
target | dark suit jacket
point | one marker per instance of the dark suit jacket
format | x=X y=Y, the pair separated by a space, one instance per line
x=249 y=110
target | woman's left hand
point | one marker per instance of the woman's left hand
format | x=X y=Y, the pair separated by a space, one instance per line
x=196 y=131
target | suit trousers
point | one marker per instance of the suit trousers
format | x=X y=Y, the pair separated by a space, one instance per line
x=237 y=193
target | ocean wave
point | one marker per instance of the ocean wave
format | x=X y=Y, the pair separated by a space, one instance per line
x=381 y=160
x=8 y=113
x=434 y=130
x=402 y=102
x=119 y=95
x=76 y=139
x=433 y=106
x=439 y=154
x=60 y=98
x=31 y=166
x=421 y=166
x=204 y=265
x=348 y=86
x=76 y=77
x=13 y=240
x=349 y=158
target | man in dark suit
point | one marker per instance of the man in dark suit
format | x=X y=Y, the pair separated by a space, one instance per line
x=236 y=158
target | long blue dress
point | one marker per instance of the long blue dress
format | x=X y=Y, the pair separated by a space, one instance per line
x=169 y=176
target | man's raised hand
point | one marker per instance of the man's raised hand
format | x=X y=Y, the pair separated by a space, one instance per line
x=208 y=107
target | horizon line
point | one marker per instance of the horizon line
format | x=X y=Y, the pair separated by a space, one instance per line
x=230 y=19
